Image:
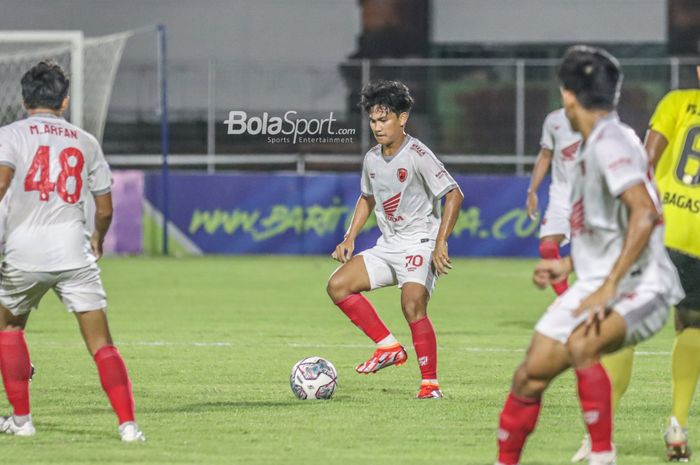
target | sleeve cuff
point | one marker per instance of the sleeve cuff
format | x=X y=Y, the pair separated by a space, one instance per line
x=104 y=191
x=446 y=190
x=7 y=163
x=626 y=185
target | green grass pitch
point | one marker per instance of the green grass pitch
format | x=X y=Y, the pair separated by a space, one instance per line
x=209 y=343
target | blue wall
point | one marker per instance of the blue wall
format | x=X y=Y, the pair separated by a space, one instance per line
x=289 y=214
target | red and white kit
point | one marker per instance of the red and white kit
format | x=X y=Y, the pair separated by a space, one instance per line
x=407 y=189
x=612 y=161
x=57 y=165
x=560 y=138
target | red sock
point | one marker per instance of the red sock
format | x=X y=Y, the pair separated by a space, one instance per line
x=16 y=370
x=518 y=420
x=550 y=250
x=594 y=394
x=362 y=313
x=425 y=343
x=115 y=381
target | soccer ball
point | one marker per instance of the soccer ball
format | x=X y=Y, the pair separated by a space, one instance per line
x=313 y=378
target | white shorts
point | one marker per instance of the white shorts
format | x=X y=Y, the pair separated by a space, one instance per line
x=645 y=312
x=387 y=267
x=80 y=290
x=556 y=217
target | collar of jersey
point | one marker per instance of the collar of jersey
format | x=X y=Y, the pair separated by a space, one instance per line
x=45 y=115
x=406 y=140
x=602 y=122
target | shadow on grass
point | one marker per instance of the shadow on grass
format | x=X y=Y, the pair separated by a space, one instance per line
x=221 y=405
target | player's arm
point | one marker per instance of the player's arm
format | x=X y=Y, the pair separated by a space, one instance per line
x=453 y=205
x=544 y=159
x=6 y=175
x=643 y=217
x=363 y=208
x=655 y=143
x=103 y=218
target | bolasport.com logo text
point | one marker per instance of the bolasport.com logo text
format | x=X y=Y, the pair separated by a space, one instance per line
x=289 y=128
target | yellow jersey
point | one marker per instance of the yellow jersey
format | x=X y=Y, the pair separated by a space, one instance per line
x=677 y=118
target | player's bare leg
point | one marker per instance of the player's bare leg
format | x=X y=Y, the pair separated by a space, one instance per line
x=414 y=303
x=112 y=370
x=550 y=249
x=545 y=359
x=16 y=369
x=344 y=288
x=685 y=369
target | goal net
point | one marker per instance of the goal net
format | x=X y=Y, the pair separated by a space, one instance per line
x=91 y=63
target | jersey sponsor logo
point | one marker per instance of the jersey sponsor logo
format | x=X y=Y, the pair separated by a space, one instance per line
x=440 y=174
x=371 y=175
x=619 y=163
x=390 y=206
x=402 y=174
x=681 y=201
x=569 y=153
x=577 y=218
x=418 y=149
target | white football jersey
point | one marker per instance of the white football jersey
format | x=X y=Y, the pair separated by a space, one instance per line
x=612 y=160
x=56 y=167
x=407 y=189
x=564 y=142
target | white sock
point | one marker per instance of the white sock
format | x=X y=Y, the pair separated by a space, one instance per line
x=390 y=340
x=429 y=381
x=20 y=420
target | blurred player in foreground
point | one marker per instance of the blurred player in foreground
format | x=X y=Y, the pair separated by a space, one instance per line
x=560 y=149
x=52 y=166
x=403 y=182
x=626 y=282
x=673 y=145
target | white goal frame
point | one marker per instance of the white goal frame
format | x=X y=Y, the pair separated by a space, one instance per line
x=75 y=40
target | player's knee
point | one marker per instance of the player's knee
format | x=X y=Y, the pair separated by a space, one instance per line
x=527 y=382
x=582 y=352
x=414 y=310
x=337 y=288
x=549 y=249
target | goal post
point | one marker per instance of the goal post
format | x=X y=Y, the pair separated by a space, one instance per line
x=92 y=63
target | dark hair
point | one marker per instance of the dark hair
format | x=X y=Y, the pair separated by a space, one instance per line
x=593 y=75
x=45 y=85
x=393 y=96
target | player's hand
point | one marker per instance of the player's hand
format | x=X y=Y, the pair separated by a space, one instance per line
x=96 y=242
x=549 y=271
x=343 y=251
x=441 y=259
x=596 y=306
x=531 y=205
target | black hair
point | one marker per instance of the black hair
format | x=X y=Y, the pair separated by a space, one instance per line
x=45 y=85
x=593 y=75
x=393 y=96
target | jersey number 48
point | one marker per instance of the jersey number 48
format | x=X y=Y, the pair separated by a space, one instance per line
x=71 y=160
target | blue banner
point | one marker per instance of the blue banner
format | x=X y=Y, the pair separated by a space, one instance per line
x=290 y=214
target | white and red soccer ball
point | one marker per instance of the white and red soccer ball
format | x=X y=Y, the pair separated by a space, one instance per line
x=313 y=378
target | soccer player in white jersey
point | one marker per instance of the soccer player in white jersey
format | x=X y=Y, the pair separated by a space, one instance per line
x=403 y=182
x=558 y=147
x=52 y=166
x=626 y=282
